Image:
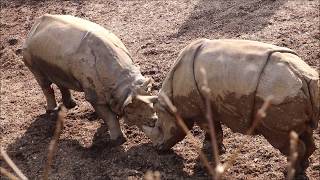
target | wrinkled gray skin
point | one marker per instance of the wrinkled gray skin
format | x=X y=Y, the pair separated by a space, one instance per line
x=240 y=76
x=80 y=55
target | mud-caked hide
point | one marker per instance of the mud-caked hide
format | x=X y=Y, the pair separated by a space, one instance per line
x=241 y=75
x=83 y=56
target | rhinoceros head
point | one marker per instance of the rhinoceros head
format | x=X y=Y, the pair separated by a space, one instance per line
x=138 y=107
x=166 y=133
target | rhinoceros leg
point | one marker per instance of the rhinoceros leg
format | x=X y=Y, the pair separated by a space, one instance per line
x=305 y=148
x=219 y=136
x=47 y=90
x=110 y=118
x=42 y=80
x=67 y=99
x=48 y=93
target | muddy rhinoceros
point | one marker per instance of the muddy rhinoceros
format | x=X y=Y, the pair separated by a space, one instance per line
x=77 y=54
x=241 y=74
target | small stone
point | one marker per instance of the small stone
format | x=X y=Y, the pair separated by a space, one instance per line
x=18 y=51
x=12 y=41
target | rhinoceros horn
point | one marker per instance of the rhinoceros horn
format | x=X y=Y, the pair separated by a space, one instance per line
x=152 y=132
x=146 y=83
x=147 y=99
x=145 y=87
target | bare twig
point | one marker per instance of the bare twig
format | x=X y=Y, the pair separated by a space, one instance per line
x=12 y=165
x=53 y=143
x=261 y=113
x=206 y=90
x=186 y=130
x=152 y=175
x=293 y=154
x=8 y=174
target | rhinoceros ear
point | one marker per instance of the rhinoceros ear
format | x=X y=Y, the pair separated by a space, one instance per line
x=127 y=101
x=147 y=99
x=146 y=86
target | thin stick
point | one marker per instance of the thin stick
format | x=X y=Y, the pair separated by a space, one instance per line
x=53 y=143
x=186 y=130
x=206 y=90
x=8 y=174
x=152 y=175
x=12 y=165
x=261 y=113
x=293 y=154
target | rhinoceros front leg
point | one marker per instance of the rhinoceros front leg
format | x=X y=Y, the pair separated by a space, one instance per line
x=110 y=118
x=67 y=99
x=219 y=136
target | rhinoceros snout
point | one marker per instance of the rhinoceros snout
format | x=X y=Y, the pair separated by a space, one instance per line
x=153 y=133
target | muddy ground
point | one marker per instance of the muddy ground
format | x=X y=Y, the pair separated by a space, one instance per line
x=154 y=31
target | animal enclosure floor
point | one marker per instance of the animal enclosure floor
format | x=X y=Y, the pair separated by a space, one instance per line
x=154 y=32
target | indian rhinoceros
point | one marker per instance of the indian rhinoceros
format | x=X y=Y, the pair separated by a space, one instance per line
x=241 y=74
x=77 y=54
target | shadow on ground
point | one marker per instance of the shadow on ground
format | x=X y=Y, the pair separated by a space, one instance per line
x=73 y=161
x=229 y=19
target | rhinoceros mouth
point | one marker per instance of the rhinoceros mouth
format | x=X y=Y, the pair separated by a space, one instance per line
x=158 y=139
x=155 y=134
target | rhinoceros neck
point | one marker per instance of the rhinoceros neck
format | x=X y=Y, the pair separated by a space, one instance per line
x=122 y=83
x=122 y=91
x=115 y=70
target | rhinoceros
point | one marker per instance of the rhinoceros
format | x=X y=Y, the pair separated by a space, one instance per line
x=77 y=54
x=241 y=74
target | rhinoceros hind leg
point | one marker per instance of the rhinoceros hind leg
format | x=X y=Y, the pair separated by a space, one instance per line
x=305 y=149
x=50 y=98
x=67 y=99
x=47 y=90
x=42 y=80
x=110 y=118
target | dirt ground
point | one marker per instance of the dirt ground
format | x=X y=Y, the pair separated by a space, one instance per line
x=154 y=31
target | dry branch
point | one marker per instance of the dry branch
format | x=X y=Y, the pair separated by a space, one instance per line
x=186 y=130
x=12 y=165
x=152 y=175
x=61 y=112
x=293 y=154
x=206 y=91
x=8 y=174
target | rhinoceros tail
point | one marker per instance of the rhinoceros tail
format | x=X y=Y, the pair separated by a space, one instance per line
x=314 y=92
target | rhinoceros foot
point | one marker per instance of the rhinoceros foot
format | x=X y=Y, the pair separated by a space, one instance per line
x=117 y=142
x=301 y=177
x=164 y=151
x=297 y=176
x=70 y=104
